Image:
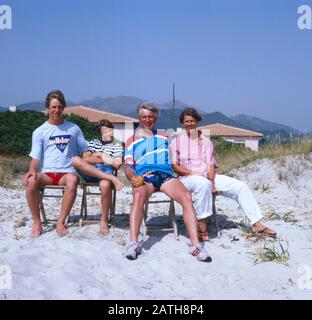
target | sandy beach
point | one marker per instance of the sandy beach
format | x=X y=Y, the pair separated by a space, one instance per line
x=84 y=265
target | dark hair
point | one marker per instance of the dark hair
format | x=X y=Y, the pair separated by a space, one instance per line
x=104 y=123
x=56 y=94
x=148 y=106
x=190 y=112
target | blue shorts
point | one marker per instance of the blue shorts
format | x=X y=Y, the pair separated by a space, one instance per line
x=101 y=166
x=157 y=178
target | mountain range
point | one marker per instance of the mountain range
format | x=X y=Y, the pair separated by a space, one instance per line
x=126 y=105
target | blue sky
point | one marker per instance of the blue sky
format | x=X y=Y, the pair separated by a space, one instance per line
x=243 y=56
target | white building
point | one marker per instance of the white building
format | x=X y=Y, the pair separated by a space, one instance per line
x=12 y=108
x=123 y=126
x=250 y=139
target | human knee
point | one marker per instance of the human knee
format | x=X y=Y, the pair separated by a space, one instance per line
x=139 y=195
x=187 y=198
x=242 y=185
x=32 y=185
x=71 y=183
x=76 y=162
x=204 y=184
x=105 y=186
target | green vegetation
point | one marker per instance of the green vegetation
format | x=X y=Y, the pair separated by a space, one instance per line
x=273 y=254
x=16 y=130
x=286 y=216
x=230 y=155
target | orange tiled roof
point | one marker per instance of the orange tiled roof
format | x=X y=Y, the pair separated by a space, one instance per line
x=94 y=115
x=218 y=129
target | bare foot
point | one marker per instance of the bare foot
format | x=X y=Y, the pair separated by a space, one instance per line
x=36 y=231
x=61 y=229
x=118 y=184
x=104 y=228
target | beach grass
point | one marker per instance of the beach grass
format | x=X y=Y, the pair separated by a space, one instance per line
x=273 y=254
x=232 y=156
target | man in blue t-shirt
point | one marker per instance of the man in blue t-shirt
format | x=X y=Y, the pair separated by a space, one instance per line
x=148 y=168
x=54 y=145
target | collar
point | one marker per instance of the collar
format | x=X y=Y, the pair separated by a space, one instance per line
x=106 y=142
x=199 y=134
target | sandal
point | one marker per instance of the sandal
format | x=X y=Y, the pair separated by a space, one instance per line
x=203 y=236
x=266 y=232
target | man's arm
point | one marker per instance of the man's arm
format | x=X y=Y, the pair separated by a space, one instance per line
x=132 y=177
x=82 y=143
x=92 y=157
x=113 y=162
x=32 y=171
x=181 y=171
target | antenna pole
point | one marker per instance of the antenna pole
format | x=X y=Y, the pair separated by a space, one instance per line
x=173 y=105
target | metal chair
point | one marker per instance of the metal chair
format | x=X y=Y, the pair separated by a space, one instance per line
x=84 y=204
x=172 y=223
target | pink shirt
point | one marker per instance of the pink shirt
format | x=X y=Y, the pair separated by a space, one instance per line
x=193 y=154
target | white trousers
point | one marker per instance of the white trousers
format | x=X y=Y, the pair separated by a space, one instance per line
x=228 y=187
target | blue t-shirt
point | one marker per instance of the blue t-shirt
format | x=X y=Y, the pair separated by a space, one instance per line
x=148 y=154
x=55 y=146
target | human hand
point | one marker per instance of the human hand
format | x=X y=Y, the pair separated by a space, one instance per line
x=28 y=175
x=106 y=159
x=137 y=181
x=195 y=173
x=213 y=188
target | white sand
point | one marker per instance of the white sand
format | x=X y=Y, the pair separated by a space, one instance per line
x=84 y=265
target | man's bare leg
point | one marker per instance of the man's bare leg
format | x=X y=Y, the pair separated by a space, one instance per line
x=140 y=195
x=176 y=190
x=202 y=230
x=33 y=199
x=70 y=180
x=106 y=202
x=91 y=170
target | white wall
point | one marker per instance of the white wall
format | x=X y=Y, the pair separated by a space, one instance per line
x=253 y=144
x=248 y=142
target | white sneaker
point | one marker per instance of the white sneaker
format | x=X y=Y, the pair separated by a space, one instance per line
x=133 y=249
x=200 y=253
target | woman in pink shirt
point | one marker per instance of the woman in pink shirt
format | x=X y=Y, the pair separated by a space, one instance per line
x=193 y=159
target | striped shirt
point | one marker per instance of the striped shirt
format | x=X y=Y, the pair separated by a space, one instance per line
x=112 y=149
x=145 y=154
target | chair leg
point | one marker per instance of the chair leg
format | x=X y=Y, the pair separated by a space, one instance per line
x=214 y=211
x=86 y=204
x=83 y=205
x=112 y=209
x=144 y=226
x=172 y=219
x=41 y=207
